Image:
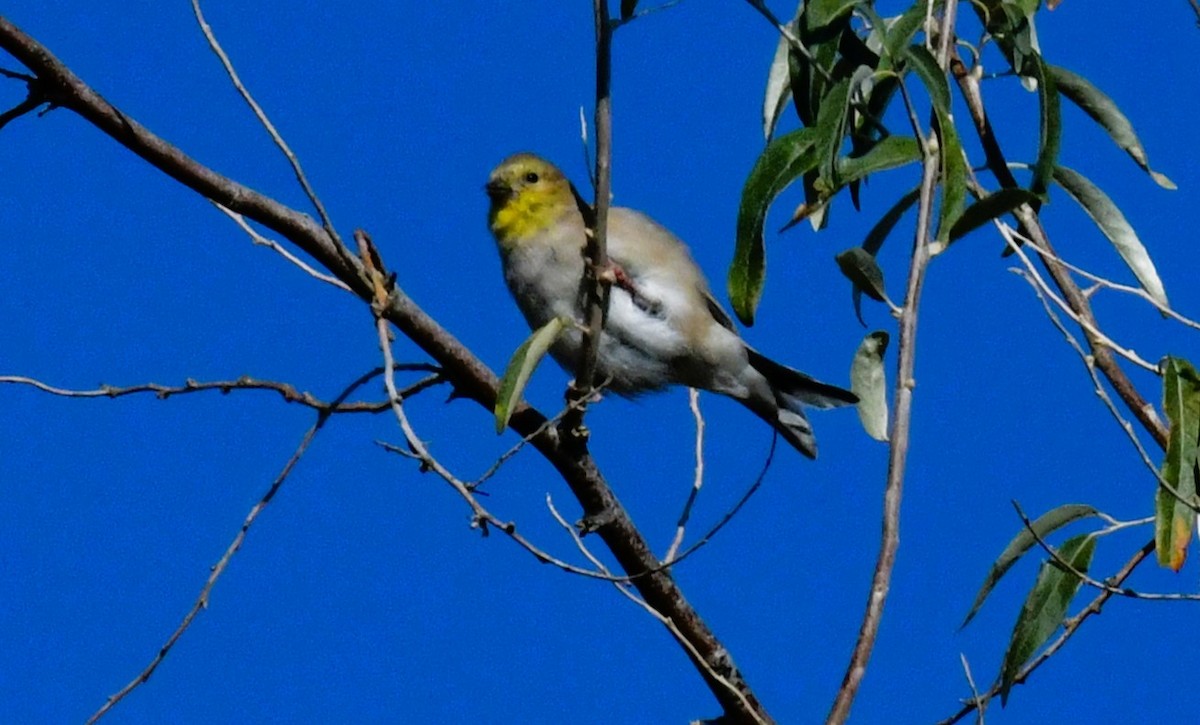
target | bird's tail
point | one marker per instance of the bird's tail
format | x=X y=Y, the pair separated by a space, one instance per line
x=793 y=391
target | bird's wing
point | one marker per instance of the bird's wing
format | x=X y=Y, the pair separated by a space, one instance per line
x=717 y=311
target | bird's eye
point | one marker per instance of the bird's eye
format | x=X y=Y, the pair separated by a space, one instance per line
x=531 y=177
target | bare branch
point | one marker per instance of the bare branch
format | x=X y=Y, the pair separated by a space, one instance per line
x=1070 y=627
x=899 y=437
x=1031 y=225
x=596 y=285
x=219 y=568
x=697 y=479
x=750 y=708
x=266 y=124
x=795 y=43
x=279 y=249
x=1096 y=583
x=1106 y=283
x=482 y=517
x=974 y=690
x=286 y=391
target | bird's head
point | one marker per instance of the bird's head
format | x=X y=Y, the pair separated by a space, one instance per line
x=528 y=195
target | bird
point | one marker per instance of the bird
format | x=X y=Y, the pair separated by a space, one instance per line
x=663 y=326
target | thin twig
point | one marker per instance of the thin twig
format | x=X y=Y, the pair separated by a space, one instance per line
x=280 y=249
x=1070 y=627
x=546 y=425
x=1096 y=583
x=974 y=690
x=286 y=391
x=697 y=478
x=794 y=42
x=971 y=93
x=596 y=284
x=266 y=124
x=1109 y=284
x=1093 y=332
x=482 y=517
x=748 y=706
x=644 y=12
x=29 y=105
x=201 y=603
x=1089 y=363
x=899 y=438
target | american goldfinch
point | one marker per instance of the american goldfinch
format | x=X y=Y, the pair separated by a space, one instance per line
x=663 y=325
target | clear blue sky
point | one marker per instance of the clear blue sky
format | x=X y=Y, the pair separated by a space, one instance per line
x=362 y=595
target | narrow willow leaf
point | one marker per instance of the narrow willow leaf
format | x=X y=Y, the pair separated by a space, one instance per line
x=953 y=163
x=1174 y=519
x=888 y=153
x=1112 y=222
x=1105 y=112
x=954 y=178
x=830 y=128
x=1045 y=607
x=887 y=222
x=1050 y=128
x=521 y=366
x=809 y=85
x=779 y=89
x=1045 y=525
x=877 y=235
x=988 y=208
x=869 y=382
x=900 y=33
x=922 y=62
x=860 y=268
x=783 y=161
x=823 y=12
x=627 y=8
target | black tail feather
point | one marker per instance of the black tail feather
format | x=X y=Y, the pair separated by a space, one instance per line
x=795 y=388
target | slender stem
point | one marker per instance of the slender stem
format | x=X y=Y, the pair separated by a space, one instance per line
x=595 y=285
x=1070 y=627
x=902 y=405
x=1031 y=227
x=222 y=564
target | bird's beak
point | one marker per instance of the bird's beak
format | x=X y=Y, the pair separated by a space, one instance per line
x=497 y=190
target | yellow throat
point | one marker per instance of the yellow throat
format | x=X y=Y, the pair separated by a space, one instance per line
x=529 y=195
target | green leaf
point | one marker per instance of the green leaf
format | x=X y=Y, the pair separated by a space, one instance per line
x=877 y=235
x=1045 y=525
x=783 y=161
x=809 y=84
x=1112 y=222
x=887 y=222
x=860 y=268
x=823 y=12
x=922 y=62
x=1105 y=112
x=831 y=127
x=869 y=382
x=1174 y=520
x=900 y=33
x=953 y=164
x=988 y=208
x=521 y=366
x=1050 y=128
x=888 y=153
x=779 y=89
x=627 y=8
x=1045 y=608
x=954 y=178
